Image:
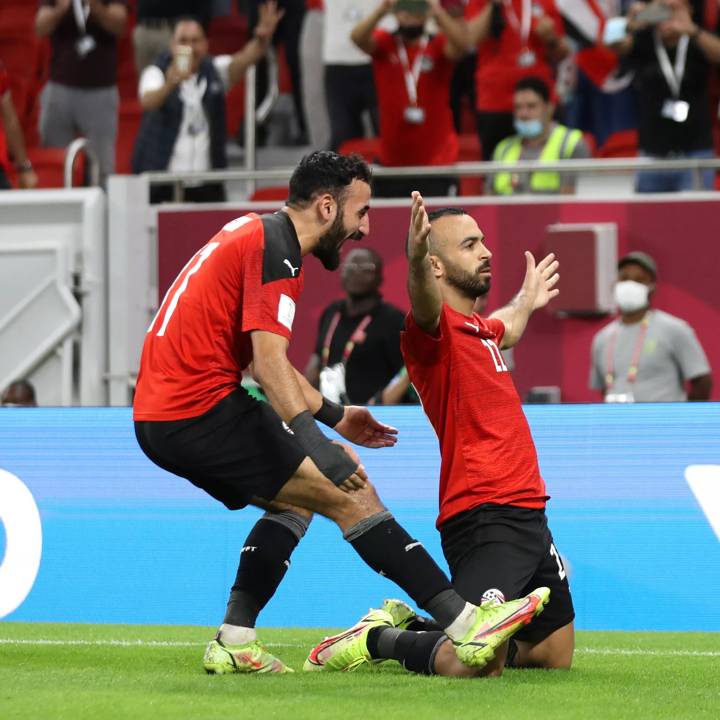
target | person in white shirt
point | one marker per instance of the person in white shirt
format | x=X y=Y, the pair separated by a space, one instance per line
x=183 y=95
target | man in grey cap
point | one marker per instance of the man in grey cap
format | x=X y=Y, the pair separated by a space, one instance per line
x=646 y=355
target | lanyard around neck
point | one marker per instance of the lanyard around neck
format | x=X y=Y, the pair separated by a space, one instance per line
x=81 y=12
x=634 y=362
x=412 y=75
x=356 y=337
x=673 y=75
x=522 y=24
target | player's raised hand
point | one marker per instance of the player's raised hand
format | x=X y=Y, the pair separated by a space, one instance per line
x=359 y=426
x=419 y=232
x=540 y=279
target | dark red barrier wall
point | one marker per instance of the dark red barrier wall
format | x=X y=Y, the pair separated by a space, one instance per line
x=681 y=234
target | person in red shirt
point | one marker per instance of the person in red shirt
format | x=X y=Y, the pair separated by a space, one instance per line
x=413 y=71
x=230 y=308
x=492 y=521
x=515 y=38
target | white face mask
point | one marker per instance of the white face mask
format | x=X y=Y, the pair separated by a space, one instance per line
x=631 y=296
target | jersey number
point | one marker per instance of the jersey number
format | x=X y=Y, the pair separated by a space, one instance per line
x=194 y=264
x=556 y=555
x=496 y=355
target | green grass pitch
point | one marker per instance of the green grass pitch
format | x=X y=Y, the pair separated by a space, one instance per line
x=104 y=672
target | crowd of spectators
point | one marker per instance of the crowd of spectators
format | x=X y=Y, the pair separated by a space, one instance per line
x=537 y=80
x=422 y=76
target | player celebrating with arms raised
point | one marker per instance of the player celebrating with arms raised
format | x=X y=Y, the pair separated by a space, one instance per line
x=232 y=306
x=492 y=498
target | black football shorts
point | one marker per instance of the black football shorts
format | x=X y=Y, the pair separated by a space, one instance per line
x=237 y=450
x=509 y=548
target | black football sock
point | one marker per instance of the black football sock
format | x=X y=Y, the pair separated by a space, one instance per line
x=264 y=560
x=415 y=651
x=388 y=549
x=423 y=624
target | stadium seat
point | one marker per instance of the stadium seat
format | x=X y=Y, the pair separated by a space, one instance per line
x=274 y=192
x=368 y=148
x=226 y=35
x=49 y=165
x=129 y=119
x=469 y=150
x=623 y=143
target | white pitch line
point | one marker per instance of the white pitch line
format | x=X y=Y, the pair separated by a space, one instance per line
x=658 y=653
x=119 y=643
x=167 y=643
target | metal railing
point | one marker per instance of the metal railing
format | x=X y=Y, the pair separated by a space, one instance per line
x=462 y=169
x=72 y=153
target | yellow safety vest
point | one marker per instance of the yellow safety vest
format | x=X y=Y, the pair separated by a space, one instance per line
x=562 y=140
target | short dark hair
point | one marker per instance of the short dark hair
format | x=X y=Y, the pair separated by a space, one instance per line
x=536 y=84
x=189 y=18
x=324 y=171
x=442 y=212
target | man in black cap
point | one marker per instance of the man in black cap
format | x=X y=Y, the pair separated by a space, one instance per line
x=646 y=355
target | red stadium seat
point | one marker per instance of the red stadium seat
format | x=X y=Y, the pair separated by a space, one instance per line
x=368 y=148
x=49 y=165
x=275 y=192
x=623 y=143
x=129 y=119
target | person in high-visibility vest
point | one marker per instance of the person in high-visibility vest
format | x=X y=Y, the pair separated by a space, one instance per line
x=538 y=138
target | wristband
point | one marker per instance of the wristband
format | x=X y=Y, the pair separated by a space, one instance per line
x=24 y=166
x=334 y=463
x=330 y=413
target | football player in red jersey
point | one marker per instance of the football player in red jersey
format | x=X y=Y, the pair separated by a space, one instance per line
x=232 y=307
x=492 y=519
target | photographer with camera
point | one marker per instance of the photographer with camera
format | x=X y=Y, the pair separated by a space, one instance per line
x=671 y=53
x=183 y=96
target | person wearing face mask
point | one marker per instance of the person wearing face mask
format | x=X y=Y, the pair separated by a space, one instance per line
x=538 y=138
x=646 y=355
x=413 y=70
x=671 y=54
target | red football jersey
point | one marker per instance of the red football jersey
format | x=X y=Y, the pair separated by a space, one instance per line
x=248 y=277
x=488 y=454
x=433 y=141
x=498 y=69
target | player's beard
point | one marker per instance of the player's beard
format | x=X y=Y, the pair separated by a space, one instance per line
x=327 y=250
x=470 y=284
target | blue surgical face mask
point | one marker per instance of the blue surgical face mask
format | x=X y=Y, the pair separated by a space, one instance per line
x=528 y=128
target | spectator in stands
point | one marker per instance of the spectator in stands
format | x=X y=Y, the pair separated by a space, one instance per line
x=646 y=355
x=357 y=353
x=155 y=19
x=11 y=138
x=288 y=33
x=20 y=393
x=81 y=96
x=412 y=75
x=313 y=82
x=349 y=84
x=515 y=39
x=671 y=59
x=183 y=96
x=602 y=100
x=537 y=137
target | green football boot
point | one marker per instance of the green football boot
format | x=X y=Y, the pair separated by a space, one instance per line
x=222 y=659
x=402 y=614
x=494 y=624
x=347 y=650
